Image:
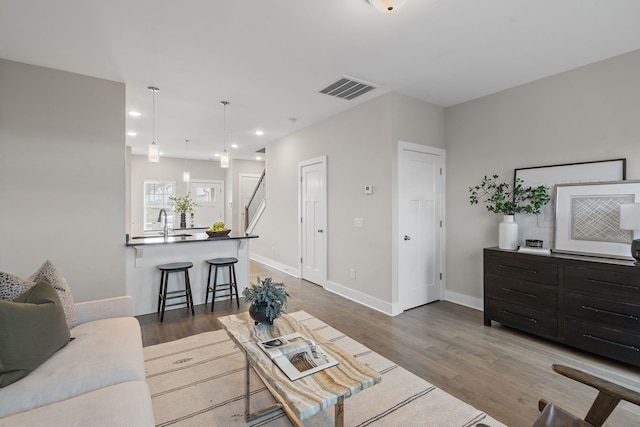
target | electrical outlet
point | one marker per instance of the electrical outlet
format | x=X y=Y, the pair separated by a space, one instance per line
x=353 y=273
x=358 y=222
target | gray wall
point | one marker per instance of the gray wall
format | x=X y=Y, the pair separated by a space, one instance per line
x=62 y=177
x=590 y=113
x=360 y=146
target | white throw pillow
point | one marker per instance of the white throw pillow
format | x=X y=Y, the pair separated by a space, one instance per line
x=50 y=272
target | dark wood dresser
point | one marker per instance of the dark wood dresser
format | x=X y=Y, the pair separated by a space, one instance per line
x=586 y=302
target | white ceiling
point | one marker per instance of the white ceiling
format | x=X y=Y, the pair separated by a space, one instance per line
x=270 y=57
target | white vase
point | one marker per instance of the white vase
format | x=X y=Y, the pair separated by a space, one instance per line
x=508 y=233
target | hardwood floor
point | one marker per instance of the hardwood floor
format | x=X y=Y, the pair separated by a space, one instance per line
x=496 y=369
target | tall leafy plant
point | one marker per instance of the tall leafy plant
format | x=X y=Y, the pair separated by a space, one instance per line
x=507 y=199
x=184 y=204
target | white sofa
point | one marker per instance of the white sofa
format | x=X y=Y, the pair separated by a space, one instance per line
x=98 y=379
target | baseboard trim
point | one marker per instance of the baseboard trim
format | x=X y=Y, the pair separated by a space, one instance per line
x=360 y=298
x=377 y=304
x=465 y=300
x=278 y=266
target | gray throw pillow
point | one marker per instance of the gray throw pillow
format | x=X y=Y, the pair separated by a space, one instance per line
x=32 y=328
x=11 y=287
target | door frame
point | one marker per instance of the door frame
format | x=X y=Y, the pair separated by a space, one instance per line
x=322 y=160
x=396 y=307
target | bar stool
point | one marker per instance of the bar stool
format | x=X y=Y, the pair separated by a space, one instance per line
x=164 y=295
x=217 y=263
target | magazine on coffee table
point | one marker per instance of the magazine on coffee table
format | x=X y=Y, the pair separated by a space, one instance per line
x=296 y=355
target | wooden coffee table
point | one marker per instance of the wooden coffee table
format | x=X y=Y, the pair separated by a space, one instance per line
x=306 y=396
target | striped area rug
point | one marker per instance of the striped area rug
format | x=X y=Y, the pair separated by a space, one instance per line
x=199 y=381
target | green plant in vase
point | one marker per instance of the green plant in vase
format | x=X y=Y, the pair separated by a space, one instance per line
x=267 y=298
x=507 y=199
x=182 y=206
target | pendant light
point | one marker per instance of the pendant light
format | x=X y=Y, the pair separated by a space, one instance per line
x=186 y=176
x=224 y=156
x=154 y=149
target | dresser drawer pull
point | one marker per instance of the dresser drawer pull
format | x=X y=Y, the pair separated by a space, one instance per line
x=613 y=313
x=526 y=270
x=530 y=319
x=526 y=294
x=620 y=285
x=628 y=347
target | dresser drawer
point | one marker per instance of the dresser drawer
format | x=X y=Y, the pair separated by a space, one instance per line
x=605 y=282
x=522 y=268
x=608 y=342
x=603 y=311
x=522 y=317
x=538 y=296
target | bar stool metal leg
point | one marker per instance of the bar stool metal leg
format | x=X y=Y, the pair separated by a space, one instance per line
x=189 y=294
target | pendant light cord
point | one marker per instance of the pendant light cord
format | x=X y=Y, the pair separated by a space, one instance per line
x=153 y=112
x=186 y=159
x=224 y=124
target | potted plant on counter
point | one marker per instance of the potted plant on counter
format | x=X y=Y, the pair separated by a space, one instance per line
x=183 y=206
x=267 y=298
x=507 y=200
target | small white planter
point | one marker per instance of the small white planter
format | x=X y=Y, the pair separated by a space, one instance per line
x=508 y=233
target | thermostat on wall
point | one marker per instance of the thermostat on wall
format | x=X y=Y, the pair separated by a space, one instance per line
x=368 y=189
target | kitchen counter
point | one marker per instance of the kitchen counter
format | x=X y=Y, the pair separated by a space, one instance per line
x=185 y=236
x=144 y=254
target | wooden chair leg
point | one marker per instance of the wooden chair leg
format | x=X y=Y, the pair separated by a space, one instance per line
x=601 y=408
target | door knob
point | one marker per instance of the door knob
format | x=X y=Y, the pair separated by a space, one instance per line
x=407 y=237
x=320 y=231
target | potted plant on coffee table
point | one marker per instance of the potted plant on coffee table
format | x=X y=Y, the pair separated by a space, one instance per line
x=267 y=298
x=508 y=200
x=182 y=206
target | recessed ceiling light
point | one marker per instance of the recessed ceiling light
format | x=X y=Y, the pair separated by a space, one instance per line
x=258 y=158
x=217 y=154
x=234 y=145
x=135 y=113
x=259 y=132
x=132 y=133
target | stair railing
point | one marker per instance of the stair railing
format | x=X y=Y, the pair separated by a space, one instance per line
x=256 y=205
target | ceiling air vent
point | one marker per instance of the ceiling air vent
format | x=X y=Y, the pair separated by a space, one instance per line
x=348 y=88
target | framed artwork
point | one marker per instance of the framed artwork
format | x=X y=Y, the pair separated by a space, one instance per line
x=587 y=219
x=541 y=227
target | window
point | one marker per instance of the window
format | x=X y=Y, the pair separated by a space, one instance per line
x=156 y=197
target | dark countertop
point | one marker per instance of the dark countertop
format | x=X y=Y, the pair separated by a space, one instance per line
x=184 y=236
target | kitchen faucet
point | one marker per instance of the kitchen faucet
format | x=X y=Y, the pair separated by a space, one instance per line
x=166 y=225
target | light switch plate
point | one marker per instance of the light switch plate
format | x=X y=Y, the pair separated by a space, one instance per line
x=368 y=189
x=358 y=222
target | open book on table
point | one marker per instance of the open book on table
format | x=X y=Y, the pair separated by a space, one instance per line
x=296 y=355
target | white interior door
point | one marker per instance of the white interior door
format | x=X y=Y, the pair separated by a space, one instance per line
x=420 y=246
x=313 y=220
x=248 y=184
x=210 y=196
